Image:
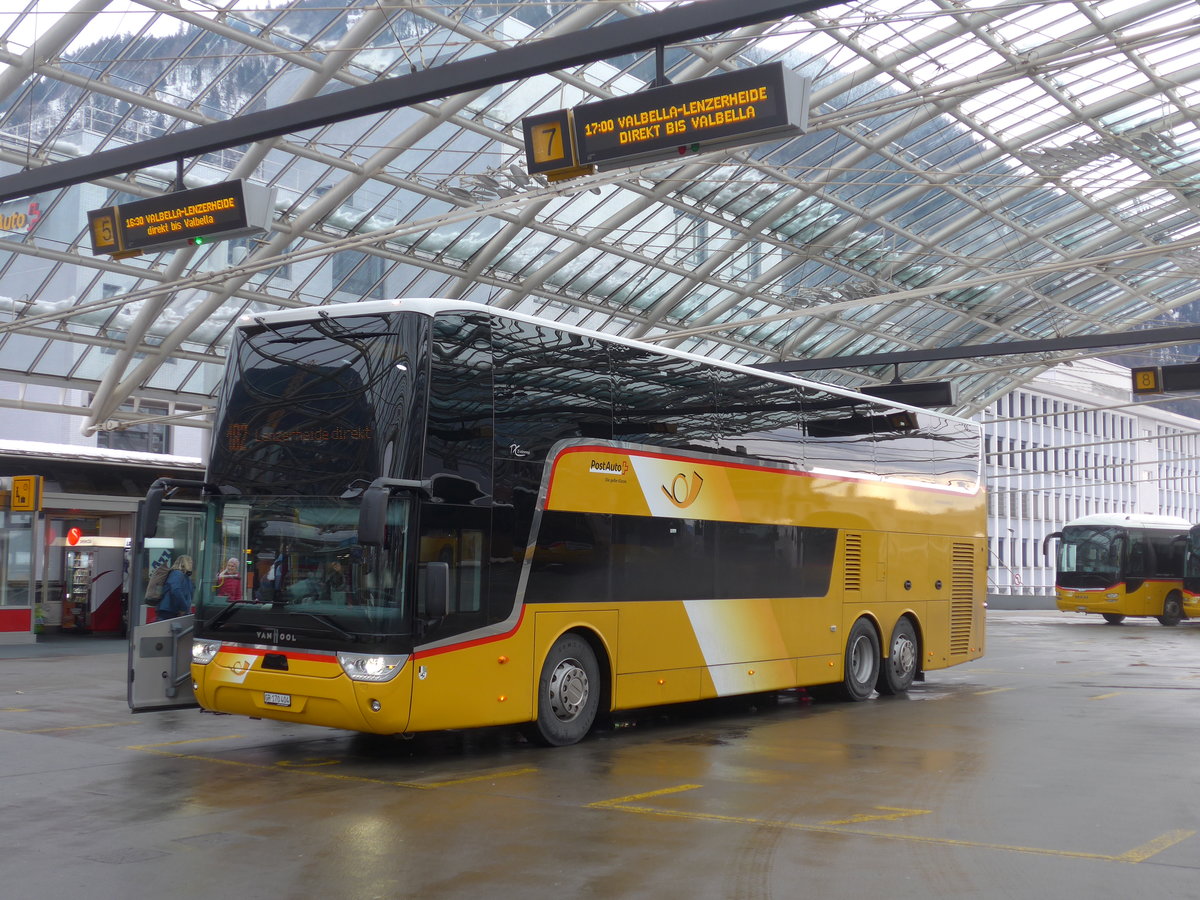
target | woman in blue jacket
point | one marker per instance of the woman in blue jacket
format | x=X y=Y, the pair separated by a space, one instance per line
x=177 y=592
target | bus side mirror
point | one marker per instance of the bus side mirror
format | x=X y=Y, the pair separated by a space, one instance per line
x=435 y=589
x=372 y=516
x=148 y=524
x=1046 y=542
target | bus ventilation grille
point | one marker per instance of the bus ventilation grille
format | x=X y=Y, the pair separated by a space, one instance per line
x=852 y=570
x=962 y=598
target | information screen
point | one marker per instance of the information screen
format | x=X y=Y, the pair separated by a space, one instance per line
x=194 y=216
x=737 y=107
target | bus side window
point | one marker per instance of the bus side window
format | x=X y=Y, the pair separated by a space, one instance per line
x=1168 y=555
x=458 y=445
x=549 y=387
x=1137 y=564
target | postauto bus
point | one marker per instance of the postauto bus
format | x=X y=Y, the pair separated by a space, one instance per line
x=449 y=516
x=1191 y=574
x=1122 y=565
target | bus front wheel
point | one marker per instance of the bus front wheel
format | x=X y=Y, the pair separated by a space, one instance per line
x=1172 y=613
x=1113 y=618
x=568 y=693
x=862 y=661
x=897 y=672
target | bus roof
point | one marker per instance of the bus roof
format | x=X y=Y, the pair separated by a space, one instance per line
x=431 y=306
x=1133 y=520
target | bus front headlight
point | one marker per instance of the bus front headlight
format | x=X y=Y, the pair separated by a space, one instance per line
x=204 y=651
x=371 y=667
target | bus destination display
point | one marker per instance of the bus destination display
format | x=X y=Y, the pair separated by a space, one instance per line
x=741 y=107
x=239 y=437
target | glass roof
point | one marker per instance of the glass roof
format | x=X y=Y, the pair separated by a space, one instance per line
x=972 y=172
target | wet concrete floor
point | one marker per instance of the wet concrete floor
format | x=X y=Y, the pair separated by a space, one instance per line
x=1066 y=763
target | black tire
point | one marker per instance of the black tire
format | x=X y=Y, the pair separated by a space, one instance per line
x=568 y=693
x=1172 y=613
x=862 y=661
x=897 y=672
x=1113 y=618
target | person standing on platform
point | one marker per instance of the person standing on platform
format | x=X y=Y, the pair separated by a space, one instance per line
x=178 y=590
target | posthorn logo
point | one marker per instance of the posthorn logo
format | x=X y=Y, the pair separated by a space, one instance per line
x=683 y=490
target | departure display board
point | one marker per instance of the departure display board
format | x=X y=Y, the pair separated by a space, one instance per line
x=197 y=216
x=742 y=107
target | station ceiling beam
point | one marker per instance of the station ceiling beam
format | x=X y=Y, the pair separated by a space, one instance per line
x=640 y=33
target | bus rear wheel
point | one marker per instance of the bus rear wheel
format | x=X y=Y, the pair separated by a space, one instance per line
x=897 y=672
x=1172 y=613
x=862 y=661
x=568 y=693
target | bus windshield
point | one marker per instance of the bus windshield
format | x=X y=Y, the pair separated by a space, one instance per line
x=290 y=570
x=1191 y=565
x=1090 y=556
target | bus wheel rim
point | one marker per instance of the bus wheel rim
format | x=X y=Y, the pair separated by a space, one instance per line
x=861 y=659
x=569 y=690
x=904 y=655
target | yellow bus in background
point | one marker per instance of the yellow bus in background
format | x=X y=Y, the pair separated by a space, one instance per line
x=1191 y=574
x=1120 y=565
x=466 y=517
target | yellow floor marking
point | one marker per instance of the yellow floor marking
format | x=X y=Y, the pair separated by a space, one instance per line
x=17 y=709
x=601 y=804
x=1106 y=696
x=227 y=737
x=312 y=767
x=474 y=778
x=75 y=727
x=892 y=813
x=312 y=773
x=1156 y=846
x=1137 y=855
x=308 y=763
x=992 y=691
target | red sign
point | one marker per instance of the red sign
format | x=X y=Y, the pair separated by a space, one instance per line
x=74 y=535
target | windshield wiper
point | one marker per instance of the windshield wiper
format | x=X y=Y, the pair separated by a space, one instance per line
x=216 y=621
x=331 y=625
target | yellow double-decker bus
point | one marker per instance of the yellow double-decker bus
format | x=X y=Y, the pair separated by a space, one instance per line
x=1121 y=565
x=449 y=516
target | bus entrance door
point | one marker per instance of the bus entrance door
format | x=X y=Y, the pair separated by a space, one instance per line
x=160 y=665
x=160 y=652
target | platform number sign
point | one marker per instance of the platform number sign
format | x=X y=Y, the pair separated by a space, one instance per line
x=1147 y=380
x=104 y=232
x=548 y=142
x=548 y=146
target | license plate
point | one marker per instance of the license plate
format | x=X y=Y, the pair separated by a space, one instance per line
x=277 y=699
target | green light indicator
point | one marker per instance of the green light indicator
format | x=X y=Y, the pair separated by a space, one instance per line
x=197 y=241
